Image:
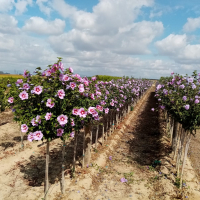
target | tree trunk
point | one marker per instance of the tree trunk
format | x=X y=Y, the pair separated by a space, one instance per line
x=46 y=188
x=87 y=148
x=185 y=156
x=63 y=169
x=174 y=136
x=75 y=145
x=97 y=132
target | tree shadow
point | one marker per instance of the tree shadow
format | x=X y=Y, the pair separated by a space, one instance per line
x=146 y=146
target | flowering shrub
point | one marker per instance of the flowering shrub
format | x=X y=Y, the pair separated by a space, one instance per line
x=56 y=102
x=180 y=96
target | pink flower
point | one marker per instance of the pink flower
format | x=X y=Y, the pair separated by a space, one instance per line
x=38 y=119
x=152 y=109
x=31 y=136
x=86 y=83
x=82 y=112
x=33 y=122
x=61 y=93
x=106 y=110
x=24 y=128
x=48 y=72
x=38 y=135
x=60 y=131
x=72 y=134
x=26 y=86
x=11 y=99
x=50 y=103
x=65 y=78
x=81 y=88
x=23 y=95
x=112 y=104
x=92 y=96
x=75 y=111
x=72 y=122
x=70 y=70
x=94 y=78
x=62 y=119
x=95 y=114
x=48 y=116
x=91 y=110
x=37 y=89
x=26 y=74
x=19 y=81
x=72 y=85
x=61 y=66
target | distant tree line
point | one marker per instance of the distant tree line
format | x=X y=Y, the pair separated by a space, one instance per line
x=1 y=72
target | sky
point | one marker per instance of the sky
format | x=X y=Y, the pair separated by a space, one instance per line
x=142 y=39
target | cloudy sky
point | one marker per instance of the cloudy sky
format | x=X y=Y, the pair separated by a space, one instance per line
x=139 y=38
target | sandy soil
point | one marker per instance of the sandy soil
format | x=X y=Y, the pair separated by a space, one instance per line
x=133 y=147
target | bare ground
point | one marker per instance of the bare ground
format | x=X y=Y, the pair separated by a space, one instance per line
x=134 y=146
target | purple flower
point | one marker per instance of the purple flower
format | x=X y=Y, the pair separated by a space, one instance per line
x=61 y=93
x=24 y=128
x=123 y=180
x=48 y=116
x=182 y=86
x=26 y=73
x=196 y=101
x=152 y=109
x=62 y=119
x=72 y=134
x=11 y=99
x=190 y=80
x=9 y=85
x=38 y=135
x=110 y=157
x=72 y=122
x=19 y=81
x=60 y=131
x=23 y=95
x=162 y=107
x=194 y=86
x=61 y=66
x=91 y=110
x=187 y=107
x=184 y=98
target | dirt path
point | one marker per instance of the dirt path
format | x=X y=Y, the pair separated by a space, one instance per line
x=128 y=153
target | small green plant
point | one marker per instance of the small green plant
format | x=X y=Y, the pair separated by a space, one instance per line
x=177 y=182
x=151 y=168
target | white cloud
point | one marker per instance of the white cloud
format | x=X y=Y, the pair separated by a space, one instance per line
x=44 y=8
x=178 y=48
x=192 y=24
x=155 y=14
x=8 y=24
x=6 y=5
x=21 y=5
x=40 y=26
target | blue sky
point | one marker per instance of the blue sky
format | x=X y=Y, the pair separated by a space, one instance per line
x=146 y=38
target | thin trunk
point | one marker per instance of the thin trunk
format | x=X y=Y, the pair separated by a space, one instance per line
x=87 y=157
x=103 y=134
x=172 y=128
x=75 y=145
x=83 y=163
x=177 y=140
x=63 y=169
x=174 y=135
x=185 y=156
x=46 y=188
x=97 y=133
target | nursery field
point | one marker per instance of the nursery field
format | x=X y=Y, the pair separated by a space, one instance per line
x=121 y=168
x=10 y=75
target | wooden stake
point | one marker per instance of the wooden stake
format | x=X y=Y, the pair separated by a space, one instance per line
x=63 y=169
x=97 y=132
x=46 y=188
